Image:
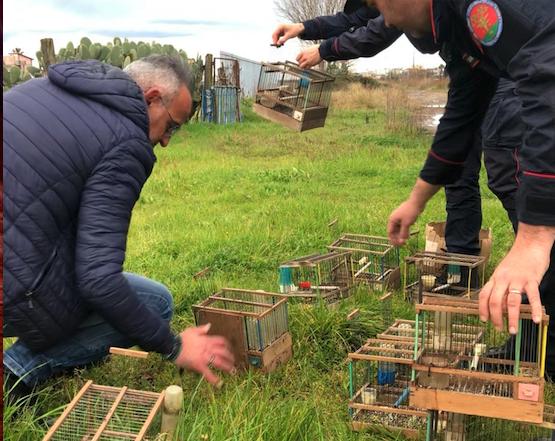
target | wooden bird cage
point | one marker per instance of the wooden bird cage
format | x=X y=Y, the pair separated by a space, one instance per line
x=466 y=366
x=292 y=96
x=379 y=386
x=432 y=274
x=103 y=413
x=374 y=261
x=256 y=323
x=325 y=277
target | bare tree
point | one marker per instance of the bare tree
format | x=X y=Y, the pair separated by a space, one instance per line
x=297 y=11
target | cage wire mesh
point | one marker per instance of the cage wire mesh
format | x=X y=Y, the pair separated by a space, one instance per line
x=109 y=413
x=442 y=274
x=265 y=315
x=380 y=375
x=325 y=277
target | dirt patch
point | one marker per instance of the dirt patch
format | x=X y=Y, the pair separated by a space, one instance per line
x=432 y=106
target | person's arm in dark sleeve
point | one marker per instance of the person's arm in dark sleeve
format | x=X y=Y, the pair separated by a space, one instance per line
x=470 y=92
x=366 y=41
x=104 y=215
x=324 y=27
x=535 y=84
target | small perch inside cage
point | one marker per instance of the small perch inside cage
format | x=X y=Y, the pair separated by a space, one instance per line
x=318 y=276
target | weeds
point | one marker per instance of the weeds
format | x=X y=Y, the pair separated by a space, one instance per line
x=240 y=200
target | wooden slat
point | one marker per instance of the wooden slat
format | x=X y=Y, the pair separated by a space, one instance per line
x=128 y=352
x=474 y=374
x=243 y=302
x=109 y=415
x=150 y=417
x=356 y=356
x=480 y=405
x=388 y=409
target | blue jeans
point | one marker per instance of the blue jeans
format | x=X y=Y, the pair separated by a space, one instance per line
x=89 y=343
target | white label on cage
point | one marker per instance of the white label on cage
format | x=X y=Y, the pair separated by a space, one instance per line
x=298 y=115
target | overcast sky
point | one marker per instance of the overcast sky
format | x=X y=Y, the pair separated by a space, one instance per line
x=241 y=27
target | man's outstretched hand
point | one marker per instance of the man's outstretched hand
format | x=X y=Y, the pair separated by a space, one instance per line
x=285 y=32
x=201 y=351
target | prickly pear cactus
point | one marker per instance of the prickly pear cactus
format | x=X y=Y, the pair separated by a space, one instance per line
x=115 y=53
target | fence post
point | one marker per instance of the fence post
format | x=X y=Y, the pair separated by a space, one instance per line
x=208 y=81
x=48 y=53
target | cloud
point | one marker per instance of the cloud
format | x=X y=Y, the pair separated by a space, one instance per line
x=91 y=7
x=136 y=33
x=183 y=22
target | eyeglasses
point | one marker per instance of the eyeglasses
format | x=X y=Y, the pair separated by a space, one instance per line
x=174 y=127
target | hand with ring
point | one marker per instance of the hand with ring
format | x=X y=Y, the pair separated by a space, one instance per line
x=201 y=352
x=520 y=271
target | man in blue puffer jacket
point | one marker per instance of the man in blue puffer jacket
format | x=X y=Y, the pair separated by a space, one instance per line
x=78 y=148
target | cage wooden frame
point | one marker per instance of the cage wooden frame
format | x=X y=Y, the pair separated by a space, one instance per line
x=276 y=101
x=430 y=263
x=103 y=429
x=462 y=390
x=259 y=335
x=315 y=261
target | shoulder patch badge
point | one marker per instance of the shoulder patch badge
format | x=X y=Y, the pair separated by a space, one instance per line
x=485 y=21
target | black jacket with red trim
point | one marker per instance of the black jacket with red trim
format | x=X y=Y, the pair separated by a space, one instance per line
x=483 y=40
x=518 y=47
x=349 y=36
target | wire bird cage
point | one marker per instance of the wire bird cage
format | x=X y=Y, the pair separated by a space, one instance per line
x=379 y=386
x=374 y=261
x=109 y=414
x=467 y=366
x=325 y=277
x=442 y=274
x=292 y=96
x=256 y=323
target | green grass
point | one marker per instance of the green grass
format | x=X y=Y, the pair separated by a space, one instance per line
x=240 y=200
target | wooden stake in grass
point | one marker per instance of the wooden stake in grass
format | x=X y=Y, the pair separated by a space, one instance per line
x=173 y=403
x=353 y=314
